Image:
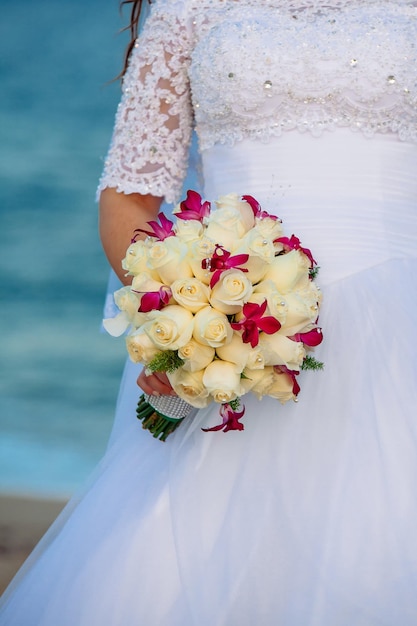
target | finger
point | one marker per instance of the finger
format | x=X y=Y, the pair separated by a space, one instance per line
x=153 y=385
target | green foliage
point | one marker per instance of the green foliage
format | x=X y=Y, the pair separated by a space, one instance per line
x=167 y=361
x=310 y=363
x=313 y=271
x=235 y=404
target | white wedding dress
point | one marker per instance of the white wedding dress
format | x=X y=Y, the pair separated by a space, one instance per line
x=309 y=516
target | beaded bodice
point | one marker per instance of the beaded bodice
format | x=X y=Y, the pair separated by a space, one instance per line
x=260 y=72
x=255 y=69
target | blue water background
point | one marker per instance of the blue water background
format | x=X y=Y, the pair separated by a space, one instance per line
x=58 y=374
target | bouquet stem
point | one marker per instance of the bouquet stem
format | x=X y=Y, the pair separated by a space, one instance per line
x=157 y=423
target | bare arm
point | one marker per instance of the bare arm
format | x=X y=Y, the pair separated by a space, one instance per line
x=120 y=214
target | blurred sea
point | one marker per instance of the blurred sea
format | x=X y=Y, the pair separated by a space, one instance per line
x=58 y=374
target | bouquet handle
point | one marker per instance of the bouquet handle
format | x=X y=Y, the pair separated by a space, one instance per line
x=161 y=415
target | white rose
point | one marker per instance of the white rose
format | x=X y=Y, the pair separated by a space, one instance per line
x=227 y=225
x=288 y=271
x=231 y=292
x=136 y=259
x=128 y=301
x=196 y=356
x=188 y=230
x=276 y=303
x=302 y=310
x=241 y=354
x=261 y=254
x=144 y=282
x=212 y=328
x=169 y=259
x=222 y=381
x=279 y=350
x=258 y=381
x=140 y=347
x=269 y=227
x=171 y=328
x=234 y=201
x=189 y=386
x=190 y=293
x=281 y=387
x=200 y=250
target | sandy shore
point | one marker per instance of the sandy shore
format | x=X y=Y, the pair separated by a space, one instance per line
x=23 y=521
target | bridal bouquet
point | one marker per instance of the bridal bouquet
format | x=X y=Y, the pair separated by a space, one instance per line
x=222 y=302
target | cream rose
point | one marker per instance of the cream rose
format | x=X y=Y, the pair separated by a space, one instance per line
x=190 y=293
x=196 y=356
x=261 y=254
x=144 y=283
x=140 y=347
x=136 y=259
x=170 y=259
x=234 y=201
x=258 y=381
x=279 y=350
x=302 y=310
x=189 y=386
x=171 y=328
x=212 y=328
x=268 y=227
x=288 y=271
x=128 y=301
x=231 y=292
x=222 y=381
x=229 y=222
x=200 y=250
x=281 y=387
x=188 y=230
x=276 y=303
x=241 y=354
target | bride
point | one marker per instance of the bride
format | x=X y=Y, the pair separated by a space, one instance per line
x=308 y=516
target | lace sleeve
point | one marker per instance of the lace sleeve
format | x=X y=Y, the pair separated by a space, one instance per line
x=149 y=148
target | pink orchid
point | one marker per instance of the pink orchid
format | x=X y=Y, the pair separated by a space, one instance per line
x=230 y=419
x=221 y=261
x=312 y=338
x=257 y=209
x=154 y=300
x=193 y=208
x=253 y=322
x=293 y=243
x=283 y=369
x=160 y=231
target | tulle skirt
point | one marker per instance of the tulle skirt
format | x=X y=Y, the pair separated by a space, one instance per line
x=308 y=517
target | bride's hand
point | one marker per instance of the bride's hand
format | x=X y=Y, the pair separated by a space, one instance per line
x=156 y=384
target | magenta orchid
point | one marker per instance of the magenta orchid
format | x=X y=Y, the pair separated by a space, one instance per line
x=293 y=243
x=154 y=300
x=311 y=338
x=193 y=208
x=230 y=419
x=160 y=231
x=253 y=321
x=221 y=261
x=283 y=369
x=257 y=209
